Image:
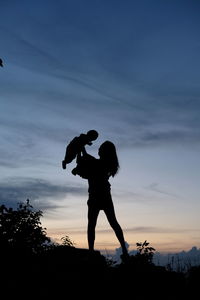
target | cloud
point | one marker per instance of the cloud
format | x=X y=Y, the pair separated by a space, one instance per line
x=140 y=102
x=177 y=261
x=151 y=229
x=36 y=58
x=182 y=260
x=147 y=229
x=139 y=229
x=33 y=131
x=141 y=136
x=154 y=187
x=26 y=142
x=41 y=193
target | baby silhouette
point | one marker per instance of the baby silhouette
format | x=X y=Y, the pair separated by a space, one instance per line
x=77 y=145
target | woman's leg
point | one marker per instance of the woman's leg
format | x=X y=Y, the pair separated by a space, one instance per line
x=92 y=220
x=110 y=214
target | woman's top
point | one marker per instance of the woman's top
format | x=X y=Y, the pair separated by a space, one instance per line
x=96 y=171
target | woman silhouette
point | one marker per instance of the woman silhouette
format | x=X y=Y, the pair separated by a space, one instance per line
x=98 y=171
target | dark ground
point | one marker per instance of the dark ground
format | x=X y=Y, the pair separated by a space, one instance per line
x=68 y=272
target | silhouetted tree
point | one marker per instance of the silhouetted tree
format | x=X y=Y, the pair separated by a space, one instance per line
x=21 y=228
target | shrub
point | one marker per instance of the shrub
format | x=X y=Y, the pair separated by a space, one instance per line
x=21 y=228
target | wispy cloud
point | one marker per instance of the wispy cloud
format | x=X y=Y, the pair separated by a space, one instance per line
x=151 y=113
x=148 y=229
x=41 y=193
x=155 y=188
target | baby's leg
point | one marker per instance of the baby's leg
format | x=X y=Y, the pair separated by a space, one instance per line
x=69 y=157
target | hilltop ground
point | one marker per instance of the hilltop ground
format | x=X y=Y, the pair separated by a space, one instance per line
x=64 y=271
x=33 y=267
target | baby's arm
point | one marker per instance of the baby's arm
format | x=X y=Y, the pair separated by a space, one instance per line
x=83 y=151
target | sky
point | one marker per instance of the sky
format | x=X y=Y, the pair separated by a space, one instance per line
x=128 y=69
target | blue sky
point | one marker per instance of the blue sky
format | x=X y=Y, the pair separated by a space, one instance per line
x=130 y=70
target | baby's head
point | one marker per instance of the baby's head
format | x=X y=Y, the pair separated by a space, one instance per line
x=92 y=135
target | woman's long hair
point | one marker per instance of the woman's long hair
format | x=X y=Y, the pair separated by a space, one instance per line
x=108 y=155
